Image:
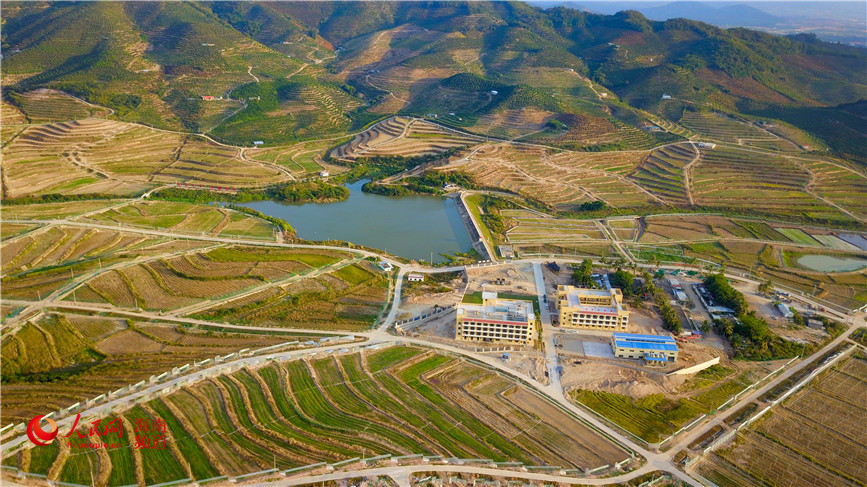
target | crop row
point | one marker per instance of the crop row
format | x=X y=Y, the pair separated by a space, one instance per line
x=393 y=401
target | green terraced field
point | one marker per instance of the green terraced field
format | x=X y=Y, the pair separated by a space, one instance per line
x=397 y=400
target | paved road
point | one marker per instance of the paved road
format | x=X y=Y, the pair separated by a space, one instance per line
x=552 y=359
x=407 y=470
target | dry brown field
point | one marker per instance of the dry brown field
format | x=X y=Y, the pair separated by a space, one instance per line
x=814 y=438
x=402 y=136
x=103 y=156
x=560 y=179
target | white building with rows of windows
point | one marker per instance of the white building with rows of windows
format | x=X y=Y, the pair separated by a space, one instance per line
x=496 y=321
x=591 y=308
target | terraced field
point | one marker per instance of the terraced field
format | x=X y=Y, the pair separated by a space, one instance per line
x=529 y=229
x=845 y=187
x=663 y=172
x=401 y=136
x=738 y=179
x=512 y=122
x=559 y=179
x=45 y=105
x=45 y=211
x=181 y=281
x=55 y=158
x=706 y=227
x=801 y=442
x=188 y=218
x=203 y=162
x=102 y=156
x=348 y=298
x=300 y=159
x=397 y=400
x=66 y=357
x=720 y=127
x=44 y=261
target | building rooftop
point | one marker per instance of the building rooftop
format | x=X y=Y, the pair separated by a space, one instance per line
x=637 y=337
x=574 y=294
x=665 y=347
x=511 y=310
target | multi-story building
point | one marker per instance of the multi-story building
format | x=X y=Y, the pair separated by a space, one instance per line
x=591 y=308
x=496 y=320
x=654 y=349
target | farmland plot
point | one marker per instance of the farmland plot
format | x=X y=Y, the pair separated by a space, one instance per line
x=397 y=401
x=717 y=126
x=300 y=159
x=105 y=156
x=816 y=437
x=662 y=172
x=44 y=211
x=530 y=229
x=401 y=136
x=188 y=217
x=561 y=180
x=840 y=184
x=55 y=158
x=349 y=298
x=64 y=358
x=45 y=105
x=203 y=162
x=180 y=281
x=45 y=261
x=393 y=401
x=733 y=178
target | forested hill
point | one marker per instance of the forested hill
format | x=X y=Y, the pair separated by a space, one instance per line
x=153 y=61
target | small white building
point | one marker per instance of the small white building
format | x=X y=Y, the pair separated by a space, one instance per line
x=415 y=277
x=323 y=174
x=785 y=311
x=495 y=92
x=258 y=142
x=386 y=266
x=706 y=145
x=666 y=97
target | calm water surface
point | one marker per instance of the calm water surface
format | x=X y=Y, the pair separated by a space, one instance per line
x=409 y=226
x=830 y=263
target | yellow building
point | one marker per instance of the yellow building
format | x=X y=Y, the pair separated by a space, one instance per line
x=591 y=308
x=496 y=321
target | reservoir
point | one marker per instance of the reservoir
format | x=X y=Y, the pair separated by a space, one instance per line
x=830 y=263
x=408 y=226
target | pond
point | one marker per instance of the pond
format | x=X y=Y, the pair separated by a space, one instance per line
x=409 y=226
x=831 y=263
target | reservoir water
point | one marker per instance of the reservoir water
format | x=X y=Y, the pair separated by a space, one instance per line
x=409 y=226
x=830 y=263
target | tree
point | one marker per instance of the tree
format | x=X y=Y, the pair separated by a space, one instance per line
x=648 y=287
x=582 y=276
x=624 y=280
x=766 y=287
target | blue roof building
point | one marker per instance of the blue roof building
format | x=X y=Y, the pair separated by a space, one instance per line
x=654 y=349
